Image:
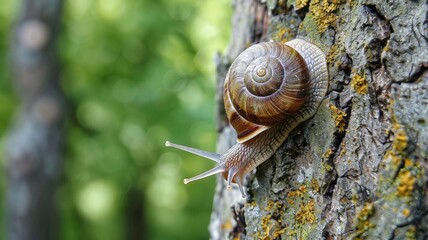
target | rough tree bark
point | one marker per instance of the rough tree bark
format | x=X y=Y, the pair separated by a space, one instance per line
x=358 y=168
x=35 y=145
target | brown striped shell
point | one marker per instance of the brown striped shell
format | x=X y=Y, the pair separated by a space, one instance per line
x=266 y=83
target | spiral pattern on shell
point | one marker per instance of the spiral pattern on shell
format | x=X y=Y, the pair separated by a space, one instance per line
x=266 y=83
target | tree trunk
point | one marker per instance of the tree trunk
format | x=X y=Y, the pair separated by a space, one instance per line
x=358 y=168
x=35 y=143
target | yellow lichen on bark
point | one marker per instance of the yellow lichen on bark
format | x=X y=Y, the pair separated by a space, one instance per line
x=227 y=225
x=399 y=143
x=283 y=35
x=333 y=54
x=297 y=193
x=363 y=223
x=323 y=13
x=306 y=213
x=315 y=185
x=272 y=227
x=359 y=84
x=301 y=4
x=400 y=138
x=406 y=212
x=406 y=183
x=339 y=117
x=366 y=212
x=327 y=153
x=411 y=233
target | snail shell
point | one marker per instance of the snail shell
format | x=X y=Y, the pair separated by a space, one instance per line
x=265 y=85
x=269 y=89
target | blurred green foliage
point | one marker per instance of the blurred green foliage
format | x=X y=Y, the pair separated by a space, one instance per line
x=8 y=98
x=136 y=73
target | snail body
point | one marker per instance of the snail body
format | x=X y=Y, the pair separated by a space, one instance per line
x=269 y=90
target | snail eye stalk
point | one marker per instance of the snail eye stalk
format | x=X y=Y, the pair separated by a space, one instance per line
x=208 y=155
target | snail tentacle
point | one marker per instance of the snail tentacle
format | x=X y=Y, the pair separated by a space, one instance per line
x=217 y=169
x=208 y=155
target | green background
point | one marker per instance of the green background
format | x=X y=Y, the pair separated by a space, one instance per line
x=135 y=73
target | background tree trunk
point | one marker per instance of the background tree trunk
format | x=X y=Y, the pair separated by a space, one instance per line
x=358 y=168
x=35 y=143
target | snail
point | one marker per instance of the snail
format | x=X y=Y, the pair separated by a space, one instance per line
x=269 y=89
